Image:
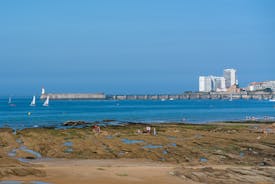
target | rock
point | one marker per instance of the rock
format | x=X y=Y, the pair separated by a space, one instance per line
x=30 y=157
x=7 y=130
x=172 y=173
x=27 y=171
x=13 y=167
x=108 y=120
x=74 y=123
x=226 y=175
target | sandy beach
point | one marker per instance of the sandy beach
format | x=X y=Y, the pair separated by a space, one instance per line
x=103 y=171
x=177 y=153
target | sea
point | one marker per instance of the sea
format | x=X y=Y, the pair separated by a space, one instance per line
x=19 y=114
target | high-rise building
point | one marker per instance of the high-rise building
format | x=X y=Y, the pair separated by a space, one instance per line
x=205 y=84
x=218 y=83
x=230 y=77
x=211 y=83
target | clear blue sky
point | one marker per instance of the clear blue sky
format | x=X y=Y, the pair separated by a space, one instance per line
x=141 y=46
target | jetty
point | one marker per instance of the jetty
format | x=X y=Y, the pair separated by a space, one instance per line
x=74 y=96
x=184 y=96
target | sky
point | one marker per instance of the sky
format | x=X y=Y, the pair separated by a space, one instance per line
x=132 y=47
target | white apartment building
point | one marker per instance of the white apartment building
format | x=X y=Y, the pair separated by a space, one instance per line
x=219 y=83
x=230 y=77
x=211 y=83
x=205 y=84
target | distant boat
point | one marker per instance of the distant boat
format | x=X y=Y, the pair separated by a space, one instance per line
x=33 y=101
x=10 y=103
x=231 y=97
x=46 y=103
x=272 y=100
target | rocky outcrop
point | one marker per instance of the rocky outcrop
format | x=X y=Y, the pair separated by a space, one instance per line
x=74 y=123
x=223 y=175
x=12 y=167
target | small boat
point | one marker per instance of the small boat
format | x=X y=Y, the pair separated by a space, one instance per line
x=10 y=103
x=46 y=103
x=33 y=101
x=272 y=100
x=231 y=97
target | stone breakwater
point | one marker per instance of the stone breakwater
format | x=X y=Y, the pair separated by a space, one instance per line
x=258 y=95
x=74 y=96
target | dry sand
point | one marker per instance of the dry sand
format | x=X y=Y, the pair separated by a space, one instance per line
x=121 y=171
x=138 y=171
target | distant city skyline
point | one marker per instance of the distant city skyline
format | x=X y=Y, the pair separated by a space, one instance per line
x=219 y=83
x=132 y=46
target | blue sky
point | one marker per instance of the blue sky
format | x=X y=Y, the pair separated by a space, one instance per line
x=127 y=46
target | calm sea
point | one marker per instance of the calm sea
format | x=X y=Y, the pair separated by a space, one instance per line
x=21 y=115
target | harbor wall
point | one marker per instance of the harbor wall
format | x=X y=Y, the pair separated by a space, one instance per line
x=183 y=96
x=74 y=96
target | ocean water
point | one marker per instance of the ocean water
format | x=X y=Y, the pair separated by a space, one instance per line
x=21 y=115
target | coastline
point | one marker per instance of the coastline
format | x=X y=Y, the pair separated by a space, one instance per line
x=173 y=154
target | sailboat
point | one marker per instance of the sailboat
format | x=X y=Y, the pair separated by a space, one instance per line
x=46 y=103
x=33 y=101
x=231 y=97
x=10 y=103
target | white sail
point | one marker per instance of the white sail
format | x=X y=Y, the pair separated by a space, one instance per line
x=46 y=103
x=9 y=100
x=231 y=97
x=33 y=101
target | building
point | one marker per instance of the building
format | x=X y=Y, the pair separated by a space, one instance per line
x=211 y=83
x=218 y=83
x=230 y=77
x=205 y=84
x=257 y=86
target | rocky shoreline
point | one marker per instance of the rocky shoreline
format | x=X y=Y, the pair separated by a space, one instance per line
x=187 y=146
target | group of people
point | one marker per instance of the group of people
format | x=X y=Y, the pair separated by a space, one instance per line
x=148 y=130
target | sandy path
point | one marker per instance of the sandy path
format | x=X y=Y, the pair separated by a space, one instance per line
x=121 y=171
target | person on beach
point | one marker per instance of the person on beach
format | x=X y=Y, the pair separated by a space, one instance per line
x=96 y=129
x=148 y=129
x=154 y=131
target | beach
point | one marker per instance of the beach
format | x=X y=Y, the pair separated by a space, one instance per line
x=170 y=153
